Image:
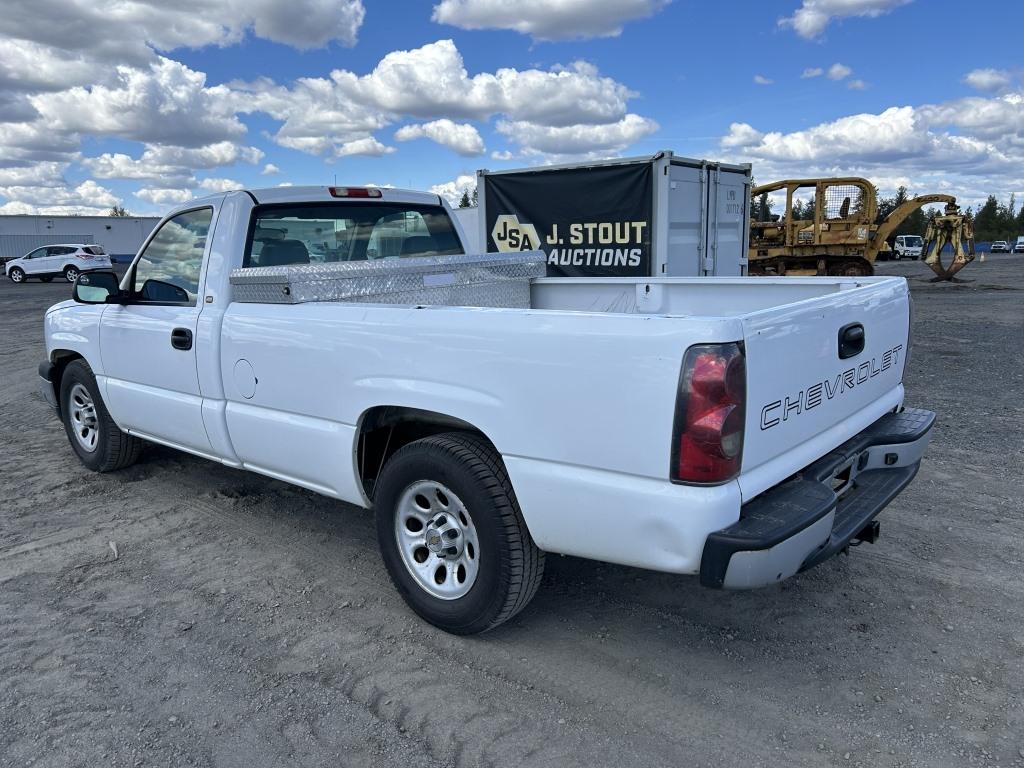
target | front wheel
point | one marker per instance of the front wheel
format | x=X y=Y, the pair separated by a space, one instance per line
x=71 y=273
x=452 y=536
x=97 y=441
x=17 y=275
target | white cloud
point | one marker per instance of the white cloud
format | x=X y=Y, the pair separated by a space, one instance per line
x=463 y=138
x=988 y=79
x=131 y=28
x=366 y=146
x=742 y=135
x=839 y=71
x=578 y=139
x=432 y=82
x=167 y=103
x=269 y=170
x=169 y=166
x=502 y=154
x=547 y=19
x=164 y=196
x=812 y=72
x=220 y=185
x=857 y=85
x=970 y=147
x=58 y=198
x=452 y=190
x=813 y=16
x=335 y=116
x=762 y=80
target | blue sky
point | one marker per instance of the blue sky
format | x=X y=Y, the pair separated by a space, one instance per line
x=164 y=104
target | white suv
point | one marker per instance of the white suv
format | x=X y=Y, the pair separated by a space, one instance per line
x=50 y=261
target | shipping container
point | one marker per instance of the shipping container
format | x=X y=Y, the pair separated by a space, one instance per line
x=633 y=217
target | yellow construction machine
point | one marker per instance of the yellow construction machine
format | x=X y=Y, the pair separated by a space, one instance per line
x=840 y=236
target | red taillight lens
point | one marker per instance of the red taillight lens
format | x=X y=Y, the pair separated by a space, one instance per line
x=707 y=442
x=354 y=192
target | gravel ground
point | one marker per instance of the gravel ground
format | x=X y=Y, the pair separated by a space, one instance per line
x=244 y=622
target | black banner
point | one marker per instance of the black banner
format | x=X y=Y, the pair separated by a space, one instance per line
x=591 y=222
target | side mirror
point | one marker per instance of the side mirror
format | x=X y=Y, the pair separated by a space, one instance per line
x=95 y=287
x=164 y=293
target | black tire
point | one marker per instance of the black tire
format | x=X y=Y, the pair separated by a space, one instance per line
x=47 y=279
x=510 y=563
x=71 y=273
x=17 y=275
x=113 y=448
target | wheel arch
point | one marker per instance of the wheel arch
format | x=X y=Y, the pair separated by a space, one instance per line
x=383 y=429
x=60 y=359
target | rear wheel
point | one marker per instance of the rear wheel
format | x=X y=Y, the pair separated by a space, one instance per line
x=97 y=441
x=71 y=273
x=17 y=275
x=452 y=536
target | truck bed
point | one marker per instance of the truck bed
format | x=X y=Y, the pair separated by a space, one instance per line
x=687 y=296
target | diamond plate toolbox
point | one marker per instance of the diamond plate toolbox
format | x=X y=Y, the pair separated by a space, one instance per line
x=481 y=280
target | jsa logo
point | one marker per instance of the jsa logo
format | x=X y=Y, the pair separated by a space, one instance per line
x=511 y=235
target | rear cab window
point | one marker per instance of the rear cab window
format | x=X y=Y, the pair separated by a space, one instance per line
x=319 y=233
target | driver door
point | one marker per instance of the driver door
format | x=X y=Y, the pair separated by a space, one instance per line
x=148 y=345
x=35 y=262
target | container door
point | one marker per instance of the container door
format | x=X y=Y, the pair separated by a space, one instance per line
x=727 y=222
x=686 y=220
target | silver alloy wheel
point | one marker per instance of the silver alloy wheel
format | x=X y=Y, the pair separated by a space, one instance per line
x=84 y=421
x=437 y=540
x=71 y=274
x=17 y=275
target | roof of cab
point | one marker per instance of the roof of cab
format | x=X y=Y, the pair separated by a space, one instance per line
x=322 y=194
x=312 y=195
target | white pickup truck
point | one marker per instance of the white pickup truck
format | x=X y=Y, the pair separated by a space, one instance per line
x=738 y=429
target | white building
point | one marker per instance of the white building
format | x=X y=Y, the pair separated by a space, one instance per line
x=120 y=237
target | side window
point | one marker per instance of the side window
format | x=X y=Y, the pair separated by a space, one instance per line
x=36 y=254
x=167 y=271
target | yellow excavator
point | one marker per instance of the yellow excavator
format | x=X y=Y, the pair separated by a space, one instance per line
x=842 y=236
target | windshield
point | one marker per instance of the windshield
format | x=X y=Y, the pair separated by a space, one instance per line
x=912 y=241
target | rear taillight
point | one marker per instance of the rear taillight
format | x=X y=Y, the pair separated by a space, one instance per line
x=707 y=439
x=354 y=192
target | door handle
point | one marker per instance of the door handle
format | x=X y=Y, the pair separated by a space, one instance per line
x=851 y=340
x=181 y=338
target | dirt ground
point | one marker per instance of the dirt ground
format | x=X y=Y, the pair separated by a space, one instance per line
x=248 y=623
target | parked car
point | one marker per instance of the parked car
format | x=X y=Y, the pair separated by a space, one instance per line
x=741 y=430
x=66 y=260
x=999 y=246
x=1019 y=247
x=908 y=247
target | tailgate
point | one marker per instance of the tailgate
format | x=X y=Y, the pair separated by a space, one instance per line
x=806 y=395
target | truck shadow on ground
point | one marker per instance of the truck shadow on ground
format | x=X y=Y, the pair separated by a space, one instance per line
x=623 y=611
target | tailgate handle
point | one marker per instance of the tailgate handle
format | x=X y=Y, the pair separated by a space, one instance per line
x=851 y=340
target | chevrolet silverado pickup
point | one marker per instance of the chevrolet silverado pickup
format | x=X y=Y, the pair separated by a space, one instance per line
x=737 y=429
